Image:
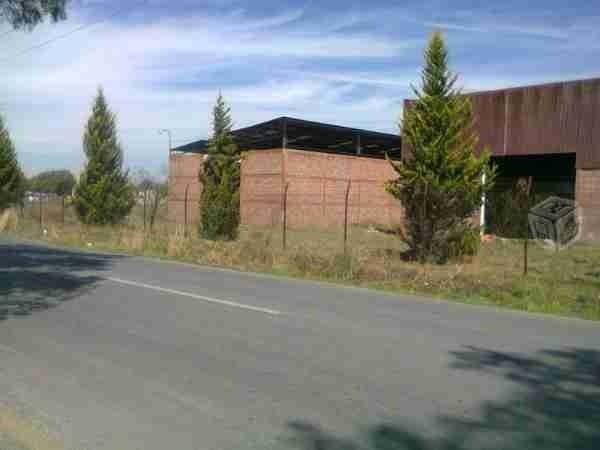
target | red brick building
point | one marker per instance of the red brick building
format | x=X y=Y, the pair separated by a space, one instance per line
x=318 y=163
x=550 y=132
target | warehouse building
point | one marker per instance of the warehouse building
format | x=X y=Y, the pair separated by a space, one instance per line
x=317 y=162
x=550 y=132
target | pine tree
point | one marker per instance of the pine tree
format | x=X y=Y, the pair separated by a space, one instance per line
x=220 y=177
x=29 y=13
x=440 y=179
x=103 y=194
x=11 y=177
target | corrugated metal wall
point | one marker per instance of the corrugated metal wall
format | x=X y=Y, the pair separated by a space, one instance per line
x=489 y=117
x=544 y=119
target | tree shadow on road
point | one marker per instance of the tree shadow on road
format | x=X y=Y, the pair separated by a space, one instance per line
x=555 y=405
x=35 y=278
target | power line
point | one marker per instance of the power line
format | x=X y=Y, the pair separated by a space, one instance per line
x=74 y=30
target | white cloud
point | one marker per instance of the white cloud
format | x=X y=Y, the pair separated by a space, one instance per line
x=485 y=25
x=167 y=72
x=155 y=75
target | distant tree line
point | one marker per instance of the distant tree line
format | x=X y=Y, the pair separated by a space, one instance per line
x=58 y=182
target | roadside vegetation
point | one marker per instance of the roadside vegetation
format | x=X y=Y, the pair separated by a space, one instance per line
x=220 y=177
x=12 y=180
x=17 y=433
x=564 y=283
x=440 y=180
x=104 y=194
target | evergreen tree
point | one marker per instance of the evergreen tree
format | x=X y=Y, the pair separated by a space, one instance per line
x=103 y=194
x=440 y=179
x=11 y=177
x=29 y=13
x=220 y=176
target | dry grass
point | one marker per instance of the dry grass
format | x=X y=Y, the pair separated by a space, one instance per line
x=9 y=220
x=565 y=283
x=16 y=433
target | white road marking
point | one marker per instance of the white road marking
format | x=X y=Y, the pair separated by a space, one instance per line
x=273 y=312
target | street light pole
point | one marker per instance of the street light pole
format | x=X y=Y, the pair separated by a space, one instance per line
x=168 y=132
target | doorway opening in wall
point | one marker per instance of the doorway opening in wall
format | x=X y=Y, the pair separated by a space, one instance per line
x=551 y=175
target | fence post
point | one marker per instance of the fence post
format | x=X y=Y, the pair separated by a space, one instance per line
x=482 y=208
x=185 y=210
x=346 y=216
x=41 y=214
x=284 y=213
x=63 y=208
x=526 y=241
x=145 y=201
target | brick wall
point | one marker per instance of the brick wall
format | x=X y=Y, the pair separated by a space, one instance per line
x=317 y=188
x=183 y=172
x=316 y=193
x=587 y=195
x=261 y=187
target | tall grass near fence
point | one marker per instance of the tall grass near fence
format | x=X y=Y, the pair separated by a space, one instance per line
x=566 y=283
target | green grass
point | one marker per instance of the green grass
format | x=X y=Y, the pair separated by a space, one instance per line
x=564 y=283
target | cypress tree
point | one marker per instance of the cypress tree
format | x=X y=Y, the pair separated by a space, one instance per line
x=440 y=179
x=220 y=177
x=29 y=13
x=11 y=177
x=103 y=194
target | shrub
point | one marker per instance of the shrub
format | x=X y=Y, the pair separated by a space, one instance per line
x=103 y=195
x=220 y=177
x=440 y=181
x=466 y=242
x=11 y=176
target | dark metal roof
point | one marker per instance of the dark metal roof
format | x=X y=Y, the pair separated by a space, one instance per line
x=288 y=132
x=192 y=147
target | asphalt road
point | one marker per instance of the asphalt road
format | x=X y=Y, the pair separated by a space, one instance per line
x=114 y=352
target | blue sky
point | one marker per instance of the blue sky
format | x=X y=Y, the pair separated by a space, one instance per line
x=162 y=63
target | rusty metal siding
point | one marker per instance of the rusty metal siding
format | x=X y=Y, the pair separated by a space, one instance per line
x=588 y=156
x=544 y=119
x=534 y=119
x=489 y=115
x=541 y=120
